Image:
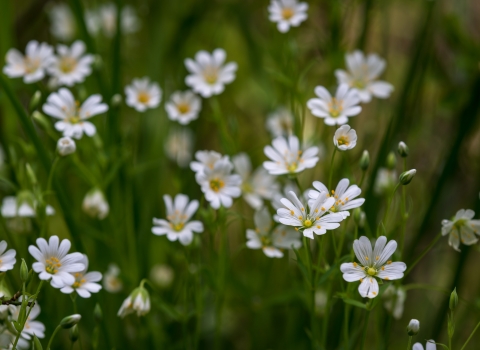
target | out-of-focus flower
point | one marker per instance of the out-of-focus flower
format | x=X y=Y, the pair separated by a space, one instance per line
x=32 y=327
x=7 y=257
x=53 y=262
x=66 y=146
x=256 y=186
x=19 y=210
x=273 y=242
x=62 y=22
x=287 y=13
x=105 y=19
x=373 y=264
x=309 y=220
x=219 y=184
x=461 y=229
x=178 y=226
x=362 y=75
x=142 y=94
x=395 y=300
x=205 y=160
x=413 y=327
x=280 y=123
x=111 y=282
x=430 y=345
x=335 y=110
x=162 y=275
x=73 y=117
x=71 y=66
x=287 y=157
x=345 y=138
x=85 y=282
x=208 y=74
x=179 y=145
x=183 y=107
x=343 y=194
x=385 y=181
x=32 y=67
x=95 y=204
x=138 y=301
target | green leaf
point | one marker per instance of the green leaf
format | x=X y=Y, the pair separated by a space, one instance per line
x=355 y=303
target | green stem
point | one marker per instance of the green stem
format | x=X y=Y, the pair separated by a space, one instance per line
x=331 y=169
x=409 y=346
x=423 y=254
x=389 y=203
x=28 y=314
x=365 y=329
x=470 y=337
x=404 y=213
x=53 y=336
x=310 y=290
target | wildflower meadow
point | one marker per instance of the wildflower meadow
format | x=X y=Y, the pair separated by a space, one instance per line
x=227 y=174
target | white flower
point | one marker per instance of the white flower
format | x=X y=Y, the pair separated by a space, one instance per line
x=162 y=275
x=343 y=194
x=461 y=229
x=373 y=264
x=206 y=160
x=178 y=146
x=142 y=94
x=183 y=107
x=430 y=345
x=71 y=66
x=208 y=74
x=345 y=138
x=395 y=300
x=62 y=22
x=287 y=157
x=138 y=301
x=84 y=283
x=111 y=282
x=32 y=327
x=385 y=181
x=7 y=258
x=273 y=242
x=256 y=186
x=95 y=204
x=66 y=146
x=54 y=263
x=335 y=110
x=105 y=18
x=73 y=118
x=280 y=123
x=218 y=184
x=310 y=220
x=287 y=13
x=179 y=212
x=32 y=67
x=19 y=210
x=362 y=75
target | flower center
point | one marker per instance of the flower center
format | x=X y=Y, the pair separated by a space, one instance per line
x=67 y=64
x=183 y=108
x=266 y=241
x=79 y=280
x=292 y=167
x=335 y=107
x=52 y=265
x=178 y=226
x=307 y=223
x=143 y=97
x=343 y=140
x=359 y=84
x=247 y=187
x=31 y=64
x=211 y=75
x=216 y=184
x=287 y=13
x=371 y=271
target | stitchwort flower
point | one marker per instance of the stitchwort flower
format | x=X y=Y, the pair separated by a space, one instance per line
x=287 y=13
x=461 y=229
x=85 y=282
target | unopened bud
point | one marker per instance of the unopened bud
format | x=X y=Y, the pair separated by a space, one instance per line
x=365 y=160
x=36 y=343
x=97 y=62
x=23 y=271
x=31 y=174
x=70 y=321
x=407 y=176
x=402 y=149
x=116 y=100
x=74 y=333
x=391 y=161
x=98 y=313
x=413 y=327
x=453 y=299
x=35 y=100
x=66 y=146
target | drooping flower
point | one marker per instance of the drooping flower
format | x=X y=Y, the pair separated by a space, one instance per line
x=111 y=280
x=32 y=326
x=218 y=184
x=362 y=75
x=62 y=22
x=335 y=110
x=256 y=186
x=7 y=257
x=395 y=300
x=208 y=73
x=373 y=264
x=344 y=196
x=66 y=146
x=85 y=282
x=272 y=242
x=280 y=123
x=177 y=226
x=287 y=13
x=461 y=229
x=287 y=157
x=138 y=301
x=183 y=107
x=32 y=67
x=312 y=219
x=142 y=94
x=429 y=346
x=53 y=262
x=73 y=118
x=345 y=138
x=95 y=204
x=71 y=66
x=178 y=146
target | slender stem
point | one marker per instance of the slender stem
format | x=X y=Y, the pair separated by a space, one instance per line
x=310 y=290
x=389 y=203
x=423 y=254
x=365 y=329
x=298 y=185
x=53 y=336
x=470 y=337
x=331 y=169
x=404 y=213
x=409 y=346
x=362 y=179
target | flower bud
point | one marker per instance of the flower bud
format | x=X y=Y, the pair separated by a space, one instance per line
x=95 y=204
x=66 y=146
x=98 y=313
x=23 y=271
x=407 y=176
x=391 y=161
x=365 y=160
x=138 y=301
x=402 y=149
x=70 y=321
x=74 y=333
x=116 y=100
x=413 y=327
x=36 y=343
x=35 y=100
x=31 y=174
x=97 y=62
x=359 y=217
x=453 y=299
